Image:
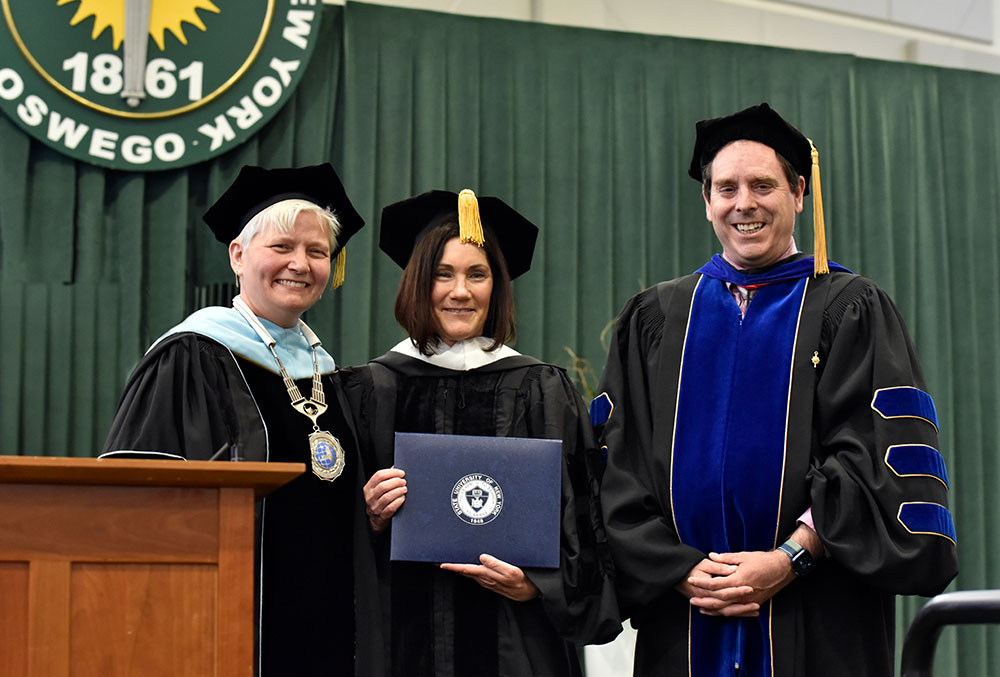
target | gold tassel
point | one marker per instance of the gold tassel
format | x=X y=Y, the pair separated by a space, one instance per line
x=339 y=268
x=470 y=227
x=820 y=264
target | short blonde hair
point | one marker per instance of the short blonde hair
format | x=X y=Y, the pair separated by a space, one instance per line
x=281 y=217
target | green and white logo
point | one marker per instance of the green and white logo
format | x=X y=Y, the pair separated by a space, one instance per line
x=151 y=84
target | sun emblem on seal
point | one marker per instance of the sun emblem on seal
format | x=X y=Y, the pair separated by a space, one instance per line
x=164 y=16
x=477 y=499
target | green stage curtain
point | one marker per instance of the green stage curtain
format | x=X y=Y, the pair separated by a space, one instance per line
x=588 y=134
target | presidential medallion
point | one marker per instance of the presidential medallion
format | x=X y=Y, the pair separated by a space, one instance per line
x=327 y=455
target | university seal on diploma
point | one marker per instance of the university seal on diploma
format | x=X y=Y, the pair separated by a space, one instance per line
x=477 y=499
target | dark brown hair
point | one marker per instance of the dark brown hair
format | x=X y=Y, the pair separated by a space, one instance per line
x=413 y=300
x=790 y=173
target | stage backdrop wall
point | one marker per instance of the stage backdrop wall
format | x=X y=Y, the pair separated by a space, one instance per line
x=587 y=133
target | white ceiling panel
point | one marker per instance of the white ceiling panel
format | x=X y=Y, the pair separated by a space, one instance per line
x=972 y=19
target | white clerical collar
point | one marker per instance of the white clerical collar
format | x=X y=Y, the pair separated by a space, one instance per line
x=463 y=356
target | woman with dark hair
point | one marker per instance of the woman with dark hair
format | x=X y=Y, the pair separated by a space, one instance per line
x=414 y=307
x=456 y=374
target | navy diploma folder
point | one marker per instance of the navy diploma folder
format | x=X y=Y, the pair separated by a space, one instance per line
x=470 y=495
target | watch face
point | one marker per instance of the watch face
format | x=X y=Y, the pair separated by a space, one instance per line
x=802 y=563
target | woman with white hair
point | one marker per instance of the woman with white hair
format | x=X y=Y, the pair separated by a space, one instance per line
x=253 y=382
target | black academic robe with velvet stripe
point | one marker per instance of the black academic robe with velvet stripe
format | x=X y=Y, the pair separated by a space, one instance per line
x=315 y=569
x=441 y=623
x=838 y=459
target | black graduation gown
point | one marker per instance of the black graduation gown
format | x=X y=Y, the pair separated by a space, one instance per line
x=189 y=396
x=839 y=620
x=444 y=624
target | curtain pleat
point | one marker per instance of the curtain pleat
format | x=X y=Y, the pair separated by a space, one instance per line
x=588 y=134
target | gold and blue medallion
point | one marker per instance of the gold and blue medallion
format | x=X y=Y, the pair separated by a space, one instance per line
x=327 y=455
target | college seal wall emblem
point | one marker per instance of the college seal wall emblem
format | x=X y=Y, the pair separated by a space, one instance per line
x=151 y=84
x=477 y=499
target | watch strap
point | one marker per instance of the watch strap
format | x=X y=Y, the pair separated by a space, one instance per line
x=802 y=560
x=790 y=548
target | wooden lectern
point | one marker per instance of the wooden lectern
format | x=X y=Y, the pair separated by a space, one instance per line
x=129 y=567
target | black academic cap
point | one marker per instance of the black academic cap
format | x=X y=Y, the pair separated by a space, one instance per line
x=757 y=123
x=761 y=124
x=257 y=188
x=405 y=222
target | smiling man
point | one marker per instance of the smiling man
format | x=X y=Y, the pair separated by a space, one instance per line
x=773 y=472
x=752 y=202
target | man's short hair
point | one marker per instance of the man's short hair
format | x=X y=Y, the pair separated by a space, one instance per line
x=757 y=123
x=790 y=173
